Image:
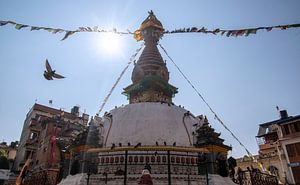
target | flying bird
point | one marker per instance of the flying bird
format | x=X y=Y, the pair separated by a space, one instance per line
x=49 y=74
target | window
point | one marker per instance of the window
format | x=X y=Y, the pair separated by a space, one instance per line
x=297 y=146
x=273 y=170
x=286 y=129
x=296 y=126
x=291 y=150
x=28 y=154
x=33 y=135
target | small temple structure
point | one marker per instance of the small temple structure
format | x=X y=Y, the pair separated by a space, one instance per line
x=151 y=140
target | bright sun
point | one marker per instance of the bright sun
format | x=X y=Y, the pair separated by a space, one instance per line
x=110 y=44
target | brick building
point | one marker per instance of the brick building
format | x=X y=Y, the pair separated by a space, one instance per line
x=46 y=132
x=279 y=148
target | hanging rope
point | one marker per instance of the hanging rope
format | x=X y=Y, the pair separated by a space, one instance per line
x=214 y=113
x=232 y=32
x=132 y=59
x=67 y=33
x=228 y=32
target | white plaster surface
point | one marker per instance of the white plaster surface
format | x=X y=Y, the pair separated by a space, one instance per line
x=80 y=179
x=149 y=122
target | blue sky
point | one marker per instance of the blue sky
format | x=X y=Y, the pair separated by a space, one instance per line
x=243 y=78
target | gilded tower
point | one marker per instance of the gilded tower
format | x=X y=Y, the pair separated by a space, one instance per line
x=150 y=75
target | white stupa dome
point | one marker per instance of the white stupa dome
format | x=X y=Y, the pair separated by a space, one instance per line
x=148 y=123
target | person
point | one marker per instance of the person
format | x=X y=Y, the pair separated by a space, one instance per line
x=146 y=178
x=148 y=167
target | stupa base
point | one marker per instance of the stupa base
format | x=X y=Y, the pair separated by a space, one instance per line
x=158 y=179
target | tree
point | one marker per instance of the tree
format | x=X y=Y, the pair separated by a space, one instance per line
x=3 y=153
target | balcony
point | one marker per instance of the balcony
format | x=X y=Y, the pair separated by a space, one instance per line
x=267 y=146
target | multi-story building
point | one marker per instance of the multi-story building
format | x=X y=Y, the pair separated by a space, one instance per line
x=279 y=140
x=44 y=129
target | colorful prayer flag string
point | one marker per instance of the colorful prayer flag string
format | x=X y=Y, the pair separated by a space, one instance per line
x=235 y=33
x=68 y=33
x=137 y=35
x=132 y=59
x=206 y=103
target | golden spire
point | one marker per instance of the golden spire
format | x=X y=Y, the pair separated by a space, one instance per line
x=150 y=21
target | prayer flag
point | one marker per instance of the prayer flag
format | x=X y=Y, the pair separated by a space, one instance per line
x=138 y=35
x=68 y=33
x=20 y=26
x=35 y=28
x=250 y=31
x=194 y=29
x=2 y=23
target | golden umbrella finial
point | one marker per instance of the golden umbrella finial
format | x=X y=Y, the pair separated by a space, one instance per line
x=150 y=21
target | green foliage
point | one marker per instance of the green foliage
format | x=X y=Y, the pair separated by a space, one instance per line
x=3 y=153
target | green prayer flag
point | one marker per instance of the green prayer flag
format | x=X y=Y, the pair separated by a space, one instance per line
x=294 y=25
x=68 y=33
x=35 y=28
x=250 y=31
x=48 y=29
x=20 y=26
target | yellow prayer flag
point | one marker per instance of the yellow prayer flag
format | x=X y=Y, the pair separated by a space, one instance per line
x=138 y=35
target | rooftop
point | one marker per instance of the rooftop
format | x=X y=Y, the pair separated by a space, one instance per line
x=46 y=109
x=280 y=121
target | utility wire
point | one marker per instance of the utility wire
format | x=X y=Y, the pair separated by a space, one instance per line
x=210 y=108
x=131 y=59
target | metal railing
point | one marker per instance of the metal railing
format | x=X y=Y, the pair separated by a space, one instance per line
x=254 y=177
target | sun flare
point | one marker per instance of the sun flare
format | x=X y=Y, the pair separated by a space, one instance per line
x=110 y=44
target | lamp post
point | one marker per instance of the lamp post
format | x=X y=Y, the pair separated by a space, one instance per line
x=189 y=180
x=125 y=167
x=88 y=177
x=105 y=174
x=169 y=168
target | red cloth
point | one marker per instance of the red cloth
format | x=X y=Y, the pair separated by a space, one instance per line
x=146 y=180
